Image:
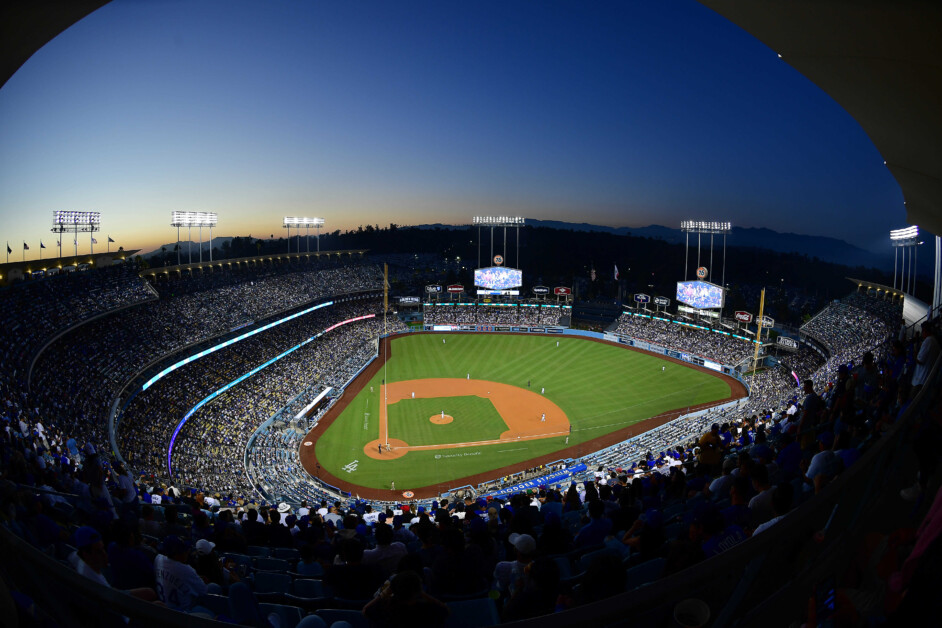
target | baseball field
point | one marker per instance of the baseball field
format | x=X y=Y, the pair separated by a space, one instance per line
x=447 y=407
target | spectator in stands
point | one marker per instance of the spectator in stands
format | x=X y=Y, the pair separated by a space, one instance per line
x=781 y=504
x=711 y=448
x=90 y=558
x=402 y=603
x=508 y=573
x=599 y=526
x=178 y=584
x=387 y=553
x=349 y=577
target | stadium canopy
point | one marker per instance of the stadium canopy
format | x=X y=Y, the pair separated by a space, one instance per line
x=882 y=62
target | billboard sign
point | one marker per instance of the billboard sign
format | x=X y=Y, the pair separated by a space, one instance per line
x=662 y=301
x=540 y=290
x=787 y=343
x=768 y=321
x=743 y=317
x=456 y=288
x=701 y=295
x=409 y=300
x=642 y=298
x=433 y=289
x=562 y=291
x=498 y=278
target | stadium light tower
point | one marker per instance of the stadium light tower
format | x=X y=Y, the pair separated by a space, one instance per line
x=514 y=222
x=190 y=220
x=701 y=227
x=907 y=239
x=86 y=222
x=307 y=223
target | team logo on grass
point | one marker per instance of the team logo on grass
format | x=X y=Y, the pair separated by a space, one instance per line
x=351 y=467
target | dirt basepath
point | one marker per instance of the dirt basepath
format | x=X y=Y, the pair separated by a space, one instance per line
x=309 y=458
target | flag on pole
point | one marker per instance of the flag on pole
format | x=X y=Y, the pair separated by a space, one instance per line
x=616 y=272
x=592 y=274
x=75 y=242
x=9 y=250
x=109 y=239
x=94 y=241
x=25 y=247
x=41 y=245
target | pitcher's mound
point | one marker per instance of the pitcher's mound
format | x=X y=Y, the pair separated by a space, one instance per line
x=397 y=449
x=438 y=419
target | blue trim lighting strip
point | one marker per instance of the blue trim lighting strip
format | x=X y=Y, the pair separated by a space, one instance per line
x=196 y=356
x=234 y=382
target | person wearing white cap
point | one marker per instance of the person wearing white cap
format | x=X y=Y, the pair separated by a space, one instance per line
x=507 y=572
x=283 y=510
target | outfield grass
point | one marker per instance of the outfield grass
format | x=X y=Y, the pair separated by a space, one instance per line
x=601 y=387
x=409 y=420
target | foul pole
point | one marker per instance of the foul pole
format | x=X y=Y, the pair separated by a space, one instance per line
x=755 y=355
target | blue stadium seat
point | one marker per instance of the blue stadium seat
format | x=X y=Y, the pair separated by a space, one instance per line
x=309 y=570
x=473 y=614
x=644 y=573
x=272 y=564
x=586 y=560
x=310 y=588
x=268 y=582
x=354 y=618
x=216 y=604
x=287 y=553
x=258 y=552
x=290 y=616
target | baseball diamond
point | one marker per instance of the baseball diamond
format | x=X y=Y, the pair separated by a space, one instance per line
x=460 y=412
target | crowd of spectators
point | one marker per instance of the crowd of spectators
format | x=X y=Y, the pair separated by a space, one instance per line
x=101 y=356
x=540 y=551
x=648 y=510
x=36 y=311
x=673 y=335
x=494 y=314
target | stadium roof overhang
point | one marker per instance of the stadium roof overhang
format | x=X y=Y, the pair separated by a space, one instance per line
x=14 y=271
x=882 y=62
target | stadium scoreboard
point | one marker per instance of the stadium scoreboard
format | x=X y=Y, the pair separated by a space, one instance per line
x=498 y=281
x=701 y=295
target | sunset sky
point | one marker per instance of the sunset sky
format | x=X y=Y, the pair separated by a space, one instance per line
x=621 y=113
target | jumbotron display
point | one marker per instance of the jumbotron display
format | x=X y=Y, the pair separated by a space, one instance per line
x=702 y=295
x=498 y=278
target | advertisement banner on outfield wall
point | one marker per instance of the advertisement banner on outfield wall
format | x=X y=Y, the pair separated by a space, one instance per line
x=553 y=330
x=610 y=337
x=546 y=480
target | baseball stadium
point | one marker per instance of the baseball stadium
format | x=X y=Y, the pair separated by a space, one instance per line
x=509 y=420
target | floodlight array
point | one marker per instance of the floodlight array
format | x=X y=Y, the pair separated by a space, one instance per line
x=705 y=226
x=498 y=221
x=194 y=219
x=75 y=218
x=902 y=237
x=295 y=221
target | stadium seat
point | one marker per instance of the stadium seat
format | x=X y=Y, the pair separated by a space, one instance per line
x=309 y=570
x=676 y=530
x=286 y=553
x=459 y=597
x=258 y=552
x=268 y=582
x=355 y=605
x=216 y=604
x=272 y=564
x=586 y=560
x=644 y=573
x=354 y=618
x=310 y=588
x=290 y=616
x=472 y=614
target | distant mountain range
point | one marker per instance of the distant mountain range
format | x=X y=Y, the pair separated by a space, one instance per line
x=824 y=248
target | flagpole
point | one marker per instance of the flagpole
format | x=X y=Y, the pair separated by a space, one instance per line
x=8 y=251
x=40 y=250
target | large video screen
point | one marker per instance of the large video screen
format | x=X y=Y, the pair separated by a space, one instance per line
x=700 y=294
x=498 y=278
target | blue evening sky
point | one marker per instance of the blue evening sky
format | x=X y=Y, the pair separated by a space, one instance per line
x=616 y=113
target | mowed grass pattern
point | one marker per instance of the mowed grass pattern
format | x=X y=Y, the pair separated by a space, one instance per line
x=601 y=387
x=409 y=420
